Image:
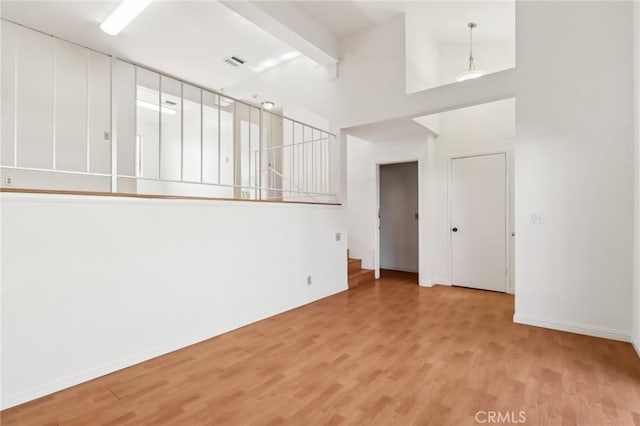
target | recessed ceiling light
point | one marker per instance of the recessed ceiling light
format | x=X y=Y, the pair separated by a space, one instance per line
x=268 y=105
x=123 y=15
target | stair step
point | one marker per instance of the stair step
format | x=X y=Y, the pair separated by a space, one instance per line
x=359 y=272
x=360 y=277
x=354 y=264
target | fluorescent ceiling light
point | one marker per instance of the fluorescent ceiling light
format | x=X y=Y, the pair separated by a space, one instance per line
x=289 y=56
x=154 y=107
x=123 y=15
x=269 y=63
x=468 y=75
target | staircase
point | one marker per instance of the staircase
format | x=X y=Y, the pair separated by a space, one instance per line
x=357 y=275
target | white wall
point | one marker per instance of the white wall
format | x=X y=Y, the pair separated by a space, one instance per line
x=431 y=62
x=94 y=284
x=372 y=68
x=398 y=199
x=422 y=55
x=574 y=167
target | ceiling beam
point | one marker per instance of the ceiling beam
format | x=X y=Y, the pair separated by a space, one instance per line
x=292 y=26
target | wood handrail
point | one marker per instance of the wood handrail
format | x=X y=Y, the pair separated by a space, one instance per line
x=150 y=196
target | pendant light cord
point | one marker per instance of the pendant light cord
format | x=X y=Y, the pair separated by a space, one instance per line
x=472 y=65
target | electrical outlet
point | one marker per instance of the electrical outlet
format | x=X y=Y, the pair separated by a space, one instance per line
x=338 y=236
x=8 y=180
x=308 y=279
x=107 y=136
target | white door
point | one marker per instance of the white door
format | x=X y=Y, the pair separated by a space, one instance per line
x=478 y=222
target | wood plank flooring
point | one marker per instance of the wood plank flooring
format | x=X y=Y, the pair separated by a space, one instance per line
x=389 y=353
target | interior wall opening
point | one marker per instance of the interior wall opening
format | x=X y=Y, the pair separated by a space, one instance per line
x=398 y=215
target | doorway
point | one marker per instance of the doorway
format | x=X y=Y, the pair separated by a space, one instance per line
x=398 y=217
x=479 y=222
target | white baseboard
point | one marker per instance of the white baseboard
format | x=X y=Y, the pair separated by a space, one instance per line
x=588 y=330
x=400 y=268
x=61 y=383
x=635 y=346
x=426 y=283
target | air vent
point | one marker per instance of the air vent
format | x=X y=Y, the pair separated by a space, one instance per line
x=234 y=61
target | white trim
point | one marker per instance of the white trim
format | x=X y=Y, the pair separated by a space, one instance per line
x=61 y=383
x=376 y=239
x=636 y=348
x=571 y=327
x=400 y=268
x=26 y=197
x=426 y=283
x=54 y=96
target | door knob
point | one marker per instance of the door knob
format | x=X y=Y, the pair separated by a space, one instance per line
x=454 y=229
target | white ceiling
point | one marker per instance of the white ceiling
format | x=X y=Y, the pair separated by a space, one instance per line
x=446 y=20
x=389 y=130
x=184 y=38
x=190 y=39
x=345 y=17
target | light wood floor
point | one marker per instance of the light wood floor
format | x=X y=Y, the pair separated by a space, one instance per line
x=390 y=353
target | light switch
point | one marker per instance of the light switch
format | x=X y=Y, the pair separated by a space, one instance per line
x=536 y=219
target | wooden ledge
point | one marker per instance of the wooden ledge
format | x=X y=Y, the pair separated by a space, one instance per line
x=159 y=197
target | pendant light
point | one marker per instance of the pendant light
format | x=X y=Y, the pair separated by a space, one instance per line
x=472 y=72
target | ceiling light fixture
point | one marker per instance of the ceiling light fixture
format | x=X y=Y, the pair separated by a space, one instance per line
x=268 y=105
x=289 y=55
x=472 y=72
x=154 y=107
x=123 y=15
x=269 y=63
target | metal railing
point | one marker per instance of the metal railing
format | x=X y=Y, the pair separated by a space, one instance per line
x=146 y=132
